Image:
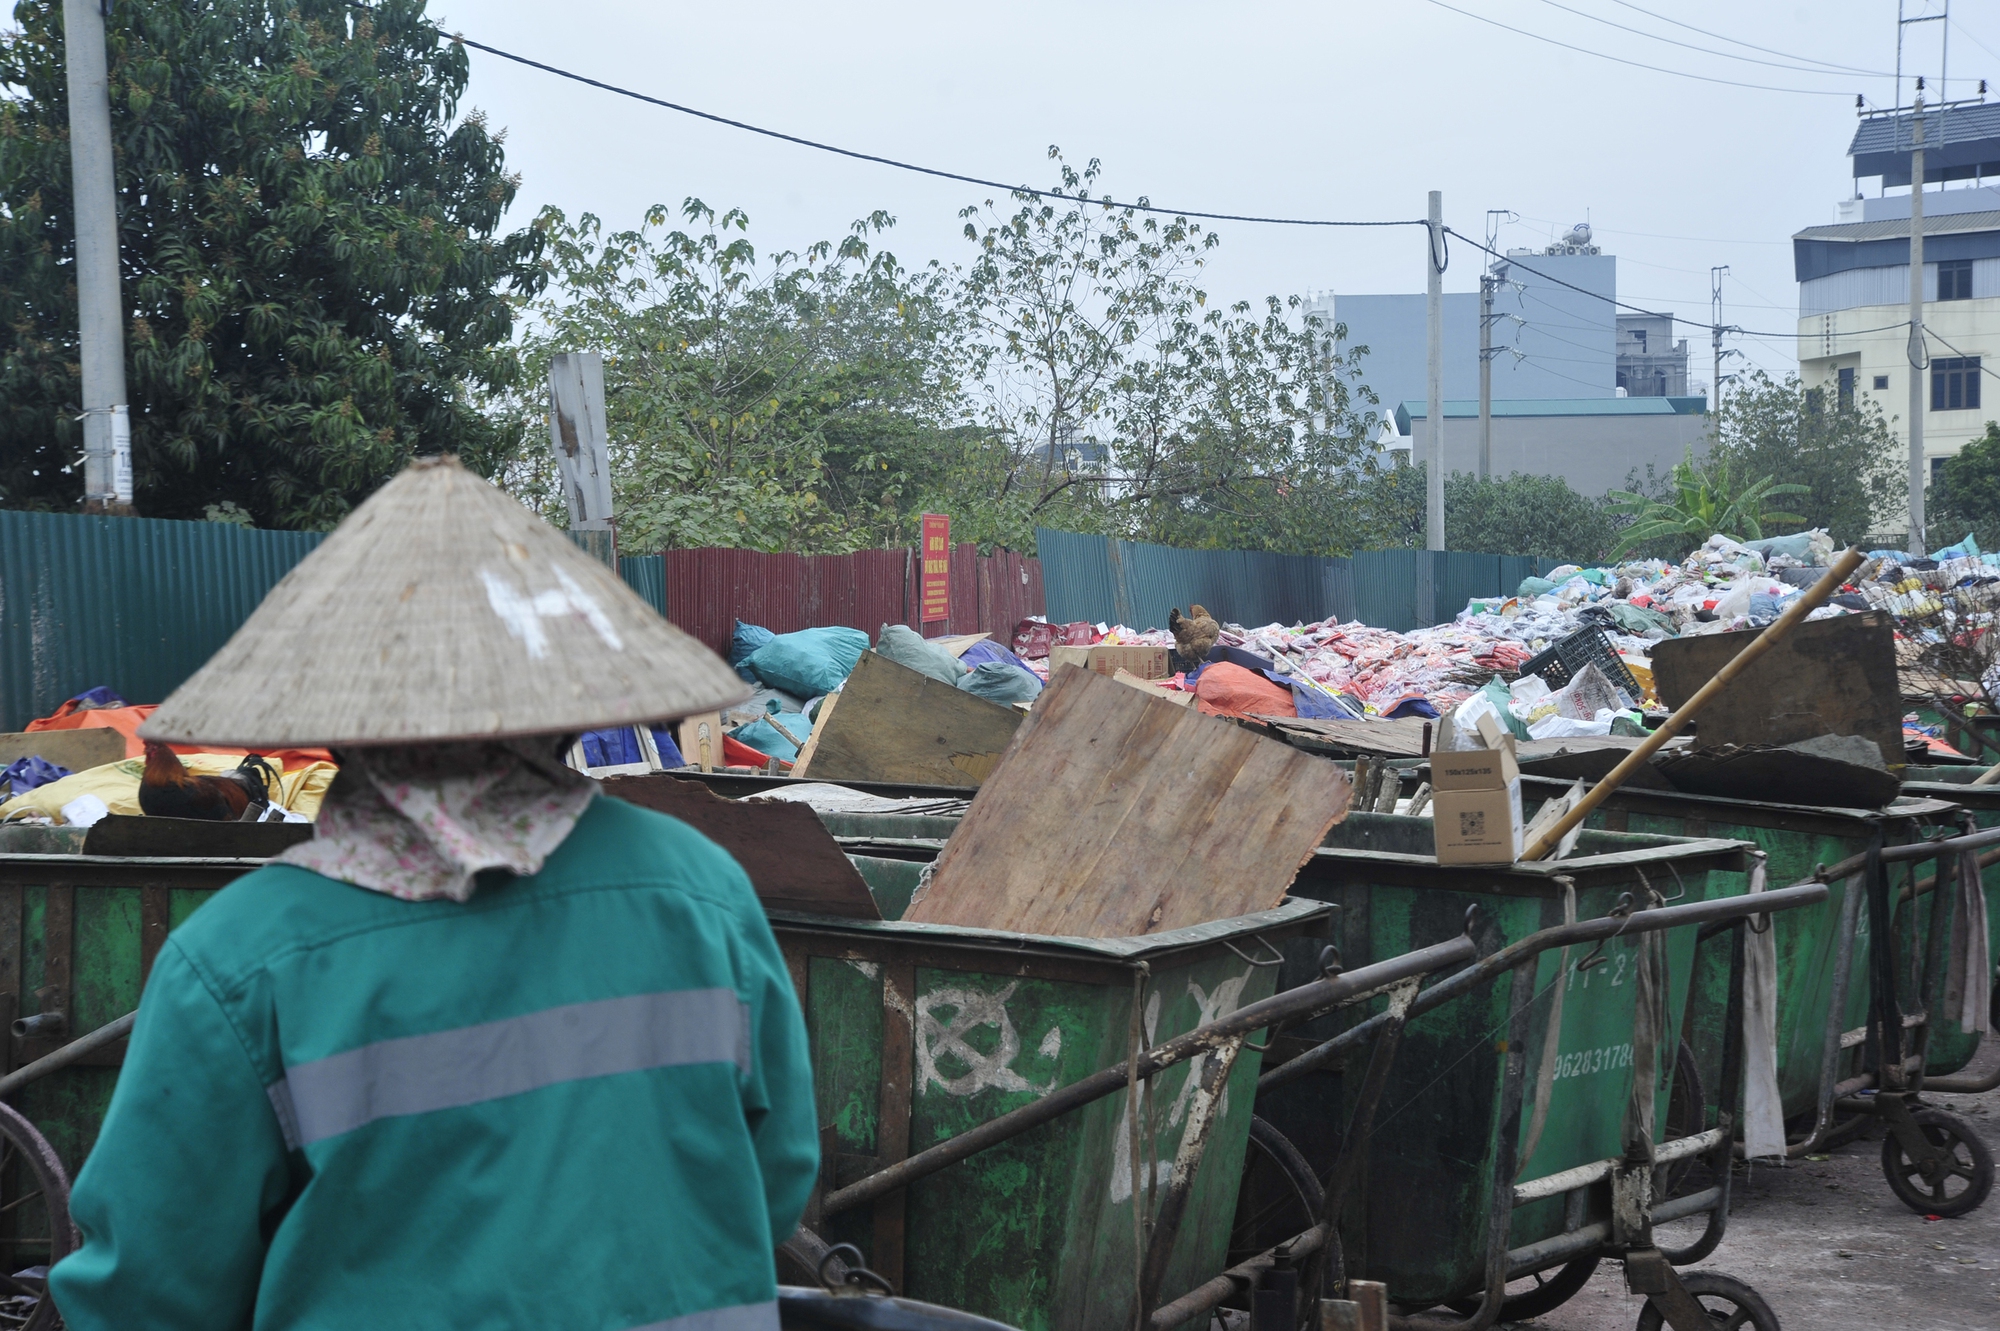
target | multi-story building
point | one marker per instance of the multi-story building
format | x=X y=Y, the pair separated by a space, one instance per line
x=1563 y=360
x=1854 y=279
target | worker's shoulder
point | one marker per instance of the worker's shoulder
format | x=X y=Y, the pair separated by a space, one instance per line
x=283 y=908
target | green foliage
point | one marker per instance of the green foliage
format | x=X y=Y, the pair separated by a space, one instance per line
x=1707 y=500
x=1843 y=456
x=311 y=249
x=1967 y=495
x=1526 y=515
x=785 y=401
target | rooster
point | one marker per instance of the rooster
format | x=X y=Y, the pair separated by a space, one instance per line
x=169 y=790
x=1193 y=635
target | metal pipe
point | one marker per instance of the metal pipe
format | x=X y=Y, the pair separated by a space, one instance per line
x=109 y=1033
x=1584 y=1175
x=1497 y=963
x=1307 y=999
x=1209 y=1295
x=1563 y=1247
x=42 y=1023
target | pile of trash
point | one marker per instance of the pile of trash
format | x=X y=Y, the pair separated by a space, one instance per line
x=1722 y=585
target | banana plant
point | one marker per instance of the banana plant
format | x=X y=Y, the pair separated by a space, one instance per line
x=1707 y=501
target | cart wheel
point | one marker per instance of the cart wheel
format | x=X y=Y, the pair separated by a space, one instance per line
x=1965 y=1160
x=1542 y=1292
x=34 y=1200
x=1729 y=1303
x=1687 y=1114
x=1279 y=1199
x=802 y=1257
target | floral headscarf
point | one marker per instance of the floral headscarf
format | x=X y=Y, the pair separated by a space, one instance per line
x=420 y=821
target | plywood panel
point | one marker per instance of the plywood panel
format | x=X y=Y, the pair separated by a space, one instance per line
x=895 y=724
x=1826 y=677
x=1114 y=814
x=793 y=861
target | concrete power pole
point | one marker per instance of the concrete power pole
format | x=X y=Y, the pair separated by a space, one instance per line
x=1434 y=390
x=1486 y=284
x=1919 y=358
x=107 y=428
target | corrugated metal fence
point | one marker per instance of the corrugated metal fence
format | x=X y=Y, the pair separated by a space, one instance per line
x=708 y=590
x=1100 y=578
x=139 y=603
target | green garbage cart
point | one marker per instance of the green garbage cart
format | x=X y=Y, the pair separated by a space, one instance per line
x=1440 y=1144
x=1951 y=1045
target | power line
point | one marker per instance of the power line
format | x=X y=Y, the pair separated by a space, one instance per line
x=1974 y=40
x=1737 y=41
x=1142 y=206
x=1707 y=50
x=1514 y=262
x=1636 y=64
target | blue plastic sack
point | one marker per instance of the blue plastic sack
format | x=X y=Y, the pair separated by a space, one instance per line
x=606 y=748
x=809 y=662
x=999 y=682
x=25 y=774
x=1965 y=549
x=744 y=640
x=984 y=653
x=764 y=737
x=906 y=647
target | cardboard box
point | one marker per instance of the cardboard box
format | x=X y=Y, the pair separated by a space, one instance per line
x=1109 y=658
x=1177 y=697
x=1477 y=801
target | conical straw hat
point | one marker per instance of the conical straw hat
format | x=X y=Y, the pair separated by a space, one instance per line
x=441 y=609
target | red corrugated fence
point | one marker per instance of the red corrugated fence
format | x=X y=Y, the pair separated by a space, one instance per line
x=709 y=589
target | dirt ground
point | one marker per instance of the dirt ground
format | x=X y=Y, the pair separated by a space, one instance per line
x=1831 y=1249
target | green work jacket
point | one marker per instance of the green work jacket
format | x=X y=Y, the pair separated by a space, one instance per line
x=580 y=1100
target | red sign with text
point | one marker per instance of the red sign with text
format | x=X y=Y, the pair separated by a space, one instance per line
x=936 y=585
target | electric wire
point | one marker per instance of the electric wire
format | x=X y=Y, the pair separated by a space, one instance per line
x=1708 y=50
x=1143 y=205
x=1637 y=64
x=1515 y=262
x=1737 y=41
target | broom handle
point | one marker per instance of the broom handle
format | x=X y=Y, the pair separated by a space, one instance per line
x=1807 y=602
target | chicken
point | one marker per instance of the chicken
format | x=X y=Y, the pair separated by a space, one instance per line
x=169 y=790
x=1193 y=634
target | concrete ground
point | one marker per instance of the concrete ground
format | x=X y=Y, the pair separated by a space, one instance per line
x=1831 y=1249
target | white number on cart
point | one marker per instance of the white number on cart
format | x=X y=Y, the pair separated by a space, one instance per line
x=1584 y=1062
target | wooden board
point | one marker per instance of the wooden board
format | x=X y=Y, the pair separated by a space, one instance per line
x=793 y=861
x=78 y=750
x=130 y=836
x=1827 y=677
x=1402 y=737
x=897 y=724
x=1114 y=814
x=699 y=738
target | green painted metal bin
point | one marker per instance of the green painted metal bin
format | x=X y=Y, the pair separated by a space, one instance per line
x=1796 y=840
x=1417 y=1220
x=920 y=1032
x=1952 y=1046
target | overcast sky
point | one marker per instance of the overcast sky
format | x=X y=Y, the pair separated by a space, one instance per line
x=1329 y=110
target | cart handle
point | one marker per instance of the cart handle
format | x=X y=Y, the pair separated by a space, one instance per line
x=109 y=1033
x=1498 y=963
x=1307 y=999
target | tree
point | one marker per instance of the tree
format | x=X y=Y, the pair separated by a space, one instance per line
x=1707 y=500
x=1522 y=514
x=1843 y=455
x=789 y=401
x=310 y=241
x=1967 y=496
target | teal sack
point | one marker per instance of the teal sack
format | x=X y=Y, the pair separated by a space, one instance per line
x=903 y=645
x=809 y=662
x=1534 y=587
x=1499 y=695
x=764 y=737
x=1002 y=683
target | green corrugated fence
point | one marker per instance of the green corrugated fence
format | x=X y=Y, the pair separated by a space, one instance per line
x=1100 y=578
x=139 y=603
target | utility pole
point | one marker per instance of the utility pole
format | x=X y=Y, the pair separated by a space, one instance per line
x=1715 y=276
x=1919 y=357
x=1486 y=284
x=107 y=428
x=1434 y=391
